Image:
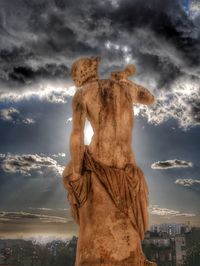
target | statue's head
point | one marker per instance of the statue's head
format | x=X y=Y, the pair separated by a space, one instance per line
x=85 y=70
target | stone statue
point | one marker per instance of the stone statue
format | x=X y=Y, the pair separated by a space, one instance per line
x=107 y=191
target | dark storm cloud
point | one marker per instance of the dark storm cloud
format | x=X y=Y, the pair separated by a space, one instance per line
x=26 y=74
x=40 y=44
x=158 y=36
x=27 y=163
x=171 y=164
x=48 y=33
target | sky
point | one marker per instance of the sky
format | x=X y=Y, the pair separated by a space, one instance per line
x=39 y=41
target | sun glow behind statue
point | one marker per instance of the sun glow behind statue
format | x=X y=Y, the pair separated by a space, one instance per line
x=88 y=133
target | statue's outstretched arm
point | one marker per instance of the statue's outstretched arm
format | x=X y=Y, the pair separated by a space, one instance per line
x=77 y=135
x=143 y=96
x=139 y=94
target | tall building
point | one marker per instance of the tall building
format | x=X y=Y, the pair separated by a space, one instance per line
x=159 y=248
x=180 y=247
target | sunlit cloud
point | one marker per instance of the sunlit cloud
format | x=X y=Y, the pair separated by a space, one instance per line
x=26 y=163
x=180 y=103
x=168 y=212
x=194 y=8
x=177 y=96
x=171 y=164
x=13 y=115
x=69 y=119
x=124 y=49
x=53 y=94
x=48 y=209
x=27 y=217
x=7 y=114
x=60 y=154
x=41 y=209
x=187 y=182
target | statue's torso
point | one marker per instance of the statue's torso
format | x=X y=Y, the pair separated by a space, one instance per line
x=110 y=112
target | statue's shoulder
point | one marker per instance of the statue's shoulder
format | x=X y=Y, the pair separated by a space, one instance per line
x=88 y=87
x=123 y=75
x=87 y=90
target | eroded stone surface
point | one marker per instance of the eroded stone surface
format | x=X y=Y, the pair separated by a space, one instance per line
x=106 y=189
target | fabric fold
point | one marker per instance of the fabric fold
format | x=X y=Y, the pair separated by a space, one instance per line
x=126 y=187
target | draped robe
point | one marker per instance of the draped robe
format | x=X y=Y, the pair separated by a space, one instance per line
x=110 y=206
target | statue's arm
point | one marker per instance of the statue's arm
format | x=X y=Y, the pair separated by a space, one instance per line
x=77 y=134
x=139 y=94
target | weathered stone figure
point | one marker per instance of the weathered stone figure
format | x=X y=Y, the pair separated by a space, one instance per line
x=106 y=189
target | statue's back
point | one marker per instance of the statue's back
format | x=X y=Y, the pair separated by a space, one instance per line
x=110 y=112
